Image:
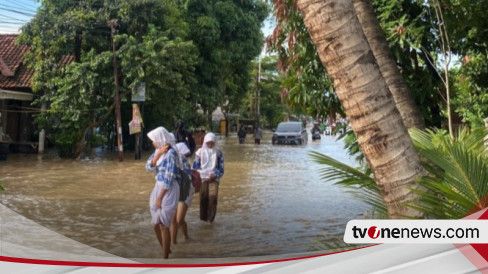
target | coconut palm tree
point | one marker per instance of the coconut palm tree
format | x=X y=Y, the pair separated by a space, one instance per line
x=358 y=180
x=389 y=70
x=457 y=180
x=359 y=85
x=455 y=186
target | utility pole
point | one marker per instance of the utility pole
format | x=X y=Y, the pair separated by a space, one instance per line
x=42 y=135
x=137 y=146
x=141 y=135
x=259 y=80
x=113 y=24
x=141 y=110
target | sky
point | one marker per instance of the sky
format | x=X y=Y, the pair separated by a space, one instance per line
x=15 y=13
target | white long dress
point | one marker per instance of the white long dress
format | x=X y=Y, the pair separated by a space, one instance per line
x=165 y=213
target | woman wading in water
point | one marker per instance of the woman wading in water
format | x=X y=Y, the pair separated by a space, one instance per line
x=186 y=196
x=165 y=194
x=209 y=162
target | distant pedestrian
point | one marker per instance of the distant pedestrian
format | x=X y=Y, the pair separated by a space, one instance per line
x=185 y=136
x=209 y=162
x=163 y=200
x=241 y=134
x=258 y=135
x=185 y=200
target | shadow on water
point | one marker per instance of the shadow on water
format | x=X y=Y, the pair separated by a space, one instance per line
x=271 y=201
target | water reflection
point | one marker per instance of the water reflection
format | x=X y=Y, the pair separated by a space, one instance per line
x=271 y=201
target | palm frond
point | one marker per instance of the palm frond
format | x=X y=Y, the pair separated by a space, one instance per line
x=458 y=172
x=351 y=145
x=361 y=185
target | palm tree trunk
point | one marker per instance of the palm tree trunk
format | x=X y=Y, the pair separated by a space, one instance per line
x=401 y=93
x=381 y=133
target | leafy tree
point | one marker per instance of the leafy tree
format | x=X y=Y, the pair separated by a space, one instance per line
x=272 y=109
x=228 y=36
x=467 y=28
x=404 y=102
x=306 y=85
x=410 y=30
x=415 y=24
x=152 y=47
x=467 y=25
x=471 y=86
x=409 y=27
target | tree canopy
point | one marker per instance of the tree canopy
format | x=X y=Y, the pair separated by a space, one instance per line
x=411 y=28
x=189 y=54
x=228 y=36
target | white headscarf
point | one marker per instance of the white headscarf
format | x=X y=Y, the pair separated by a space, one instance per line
x=208 y=156
x=182 y=148
x=160 y=136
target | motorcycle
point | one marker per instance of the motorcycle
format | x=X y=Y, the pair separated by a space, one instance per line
x=315 y=134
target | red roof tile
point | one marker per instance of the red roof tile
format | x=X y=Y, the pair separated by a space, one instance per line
x=13 y=56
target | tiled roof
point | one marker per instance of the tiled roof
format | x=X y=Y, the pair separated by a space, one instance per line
x=13 y=56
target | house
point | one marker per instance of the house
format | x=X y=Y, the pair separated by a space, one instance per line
x=16 y=127
x=17 y=131
x=231 y=124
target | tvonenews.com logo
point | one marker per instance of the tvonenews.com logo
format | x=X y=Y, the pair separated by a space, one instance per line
x=416 y=231
x=373 y=232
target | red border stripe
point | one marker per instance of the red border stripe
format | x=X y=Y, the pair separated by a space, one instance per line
x=141 y=265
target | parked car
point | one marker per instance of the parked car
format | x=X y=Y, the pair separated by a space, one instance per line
x=290 y=133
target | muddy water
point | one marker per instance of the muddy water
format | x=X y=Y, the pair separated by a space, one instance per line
x=271 y=201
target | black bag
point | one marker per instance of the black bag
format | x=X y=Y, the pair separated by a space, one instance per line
x=184 y=181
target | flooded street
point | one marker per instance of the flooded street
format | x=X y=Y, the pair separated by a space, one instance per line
x=271 y=201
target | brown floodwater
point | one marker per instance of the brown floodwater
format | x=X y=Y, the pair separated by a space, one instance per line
x=271 y=201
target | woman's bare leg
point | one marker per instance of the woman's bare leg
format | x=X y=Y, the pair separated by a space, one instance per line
x=174 y=228
x=157 y=231
x=166 y=241
x=180 y=217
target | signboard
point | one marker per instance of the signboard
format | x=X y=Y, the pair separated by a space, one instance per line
x=136 y=124
x=139 y=93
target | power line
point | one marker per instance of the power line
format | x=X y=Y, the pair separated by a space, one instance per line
x=19 y=12
x=20 y=4
x=13 y=18
x=22 y=9
x=11 y=23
